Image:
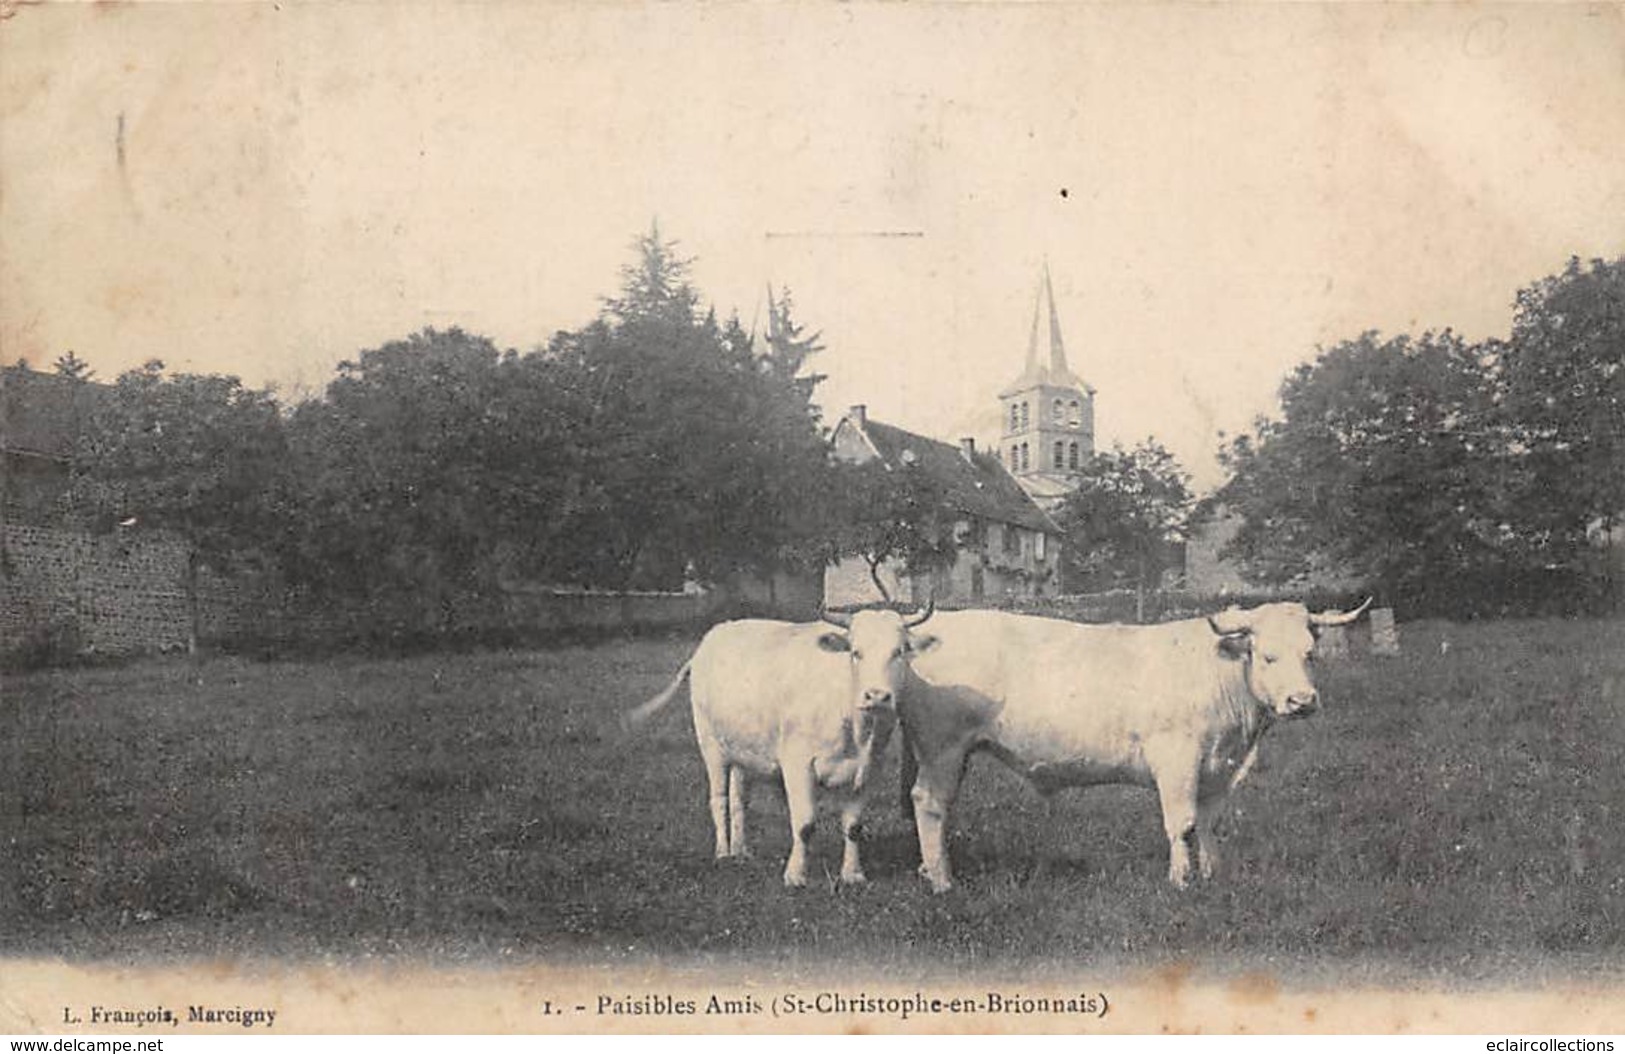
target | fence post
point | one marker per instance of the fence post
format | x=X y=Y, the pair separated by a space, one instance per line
x=1333 y=643
x=1384 y=634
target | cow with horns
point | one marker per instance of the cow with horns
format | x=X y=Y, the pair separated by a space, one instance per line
x=802 y=700
x=1178 y=707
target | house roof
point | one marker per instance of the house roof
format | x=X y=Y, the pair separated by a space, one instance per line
x=978 y=486
x=1045 y=487
x=42 y=413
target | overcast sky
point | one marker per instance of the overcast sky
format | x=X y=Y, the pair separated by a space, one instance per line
x=265 y=191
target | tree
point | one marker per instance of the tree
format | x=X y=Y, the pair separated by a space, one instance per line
x=1454 y=476
x=196 y=455
x=652 y=440
x=73 y=367
x=882 y=513
x=432 y=469
x=792 y=491
x=1386 y=464
x=1126 y=517
x=1563 y=384
x=655 y=287
x=699 y=450
x=789 y=347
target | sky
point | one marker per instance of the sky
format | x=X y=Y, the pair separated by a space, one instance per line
x=1217 y=190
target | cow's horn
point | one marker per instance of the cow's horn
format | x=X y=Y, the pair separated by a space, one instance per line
x=842 y=619
x=1230 y=622
x=1334 y=618
x=930 y=608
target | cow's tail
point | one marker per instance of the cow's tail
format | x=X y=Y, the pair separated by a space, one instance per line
x=635 y=719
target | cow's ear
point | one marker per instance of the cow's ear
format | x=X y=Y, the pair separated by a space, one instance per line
x=1236 y=645
x=922 y=643
x=834 y=642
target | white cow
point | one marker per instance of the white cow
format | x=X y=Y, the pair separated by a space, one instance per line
x=801 y=700
x=1177 y=707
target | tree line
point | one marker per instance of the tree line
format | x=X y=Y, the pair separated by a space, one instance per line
x=655 y=443
x=1448 y=476
x=1453 y=476
x=658 y=443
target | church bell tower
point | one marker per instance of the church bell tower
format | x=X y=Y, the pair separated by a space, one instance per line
x=1048 y=412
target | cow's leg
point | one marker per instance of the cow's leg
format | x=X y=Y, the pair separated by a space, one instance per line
x=799 y=795
x=934 y=791
x=1207 y=854
x=1049 y=786
x=717 y=775
x=1176 y=786
x=736 y=813
x=852 y=830
x=907 y=771
x=1046 y=853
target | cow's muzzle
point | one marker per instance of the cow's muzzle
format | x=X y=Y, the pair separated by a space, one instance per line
x=878 y=699
x=1302 y=705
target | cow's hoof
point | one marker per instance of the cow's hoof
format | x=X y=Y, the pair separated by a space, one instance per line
x=794 y=881
x=855 y=878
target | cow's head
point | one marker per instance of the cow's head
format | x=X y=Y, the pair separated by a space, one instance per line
x=1275 y=641
x=880 y=646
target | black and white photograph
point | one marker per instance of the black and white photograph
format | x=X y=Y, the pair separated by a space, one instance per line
x=957 y=517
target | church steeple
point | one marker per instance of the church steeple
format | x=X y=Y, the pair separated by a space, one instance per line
x=1046 y=350
x=1049 y=412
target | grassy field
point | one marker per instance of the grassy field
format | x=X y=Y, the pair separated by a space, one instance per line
x=1452 y=816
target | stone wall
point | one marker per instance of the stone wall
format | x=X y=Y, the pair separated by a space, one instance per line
x=71 y=593
x=847 y=583
x=67 y=595
x=547 y=608
x=1004 y=576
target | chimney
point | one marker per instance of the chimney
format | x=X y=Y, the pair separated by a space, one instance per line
x=967 y=449
x=859 y=413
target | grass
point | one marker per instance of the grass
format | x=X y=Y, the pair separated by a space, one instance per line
x=1452 y=816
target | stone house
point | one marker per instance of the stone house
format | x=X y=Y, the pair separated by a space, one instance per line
x=1008 y=545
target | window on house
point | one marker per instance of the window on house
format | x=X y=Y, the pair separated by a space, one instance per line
x=1025 y=461
x=1015 y=418
x=1072 y=456
x=1076 y=416
x=1060 y=454
x=1057 y=412
x=1024 y=417
x=1038 y=545
x=1012 y=540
